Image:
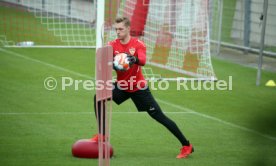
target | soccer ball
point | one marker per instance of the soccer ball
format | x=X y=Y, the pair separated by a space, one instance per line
x=121 y=61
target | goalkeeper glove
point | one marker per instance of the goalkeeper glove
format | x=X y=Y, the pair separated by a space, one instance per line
x=132 y=59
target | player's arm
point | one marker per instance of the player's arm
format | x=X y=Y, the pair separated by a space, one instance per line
x=140 y=59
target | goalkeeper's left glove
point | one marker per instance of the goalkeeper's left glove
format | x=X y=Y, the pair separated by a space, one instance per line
x=132 y=59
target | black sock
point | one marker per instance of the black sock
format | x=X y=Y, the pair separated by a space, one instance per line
x=170 y=125
x=98 y=118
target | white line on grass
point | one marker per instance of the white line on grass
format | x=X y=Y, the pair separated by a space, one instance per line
x=77 y=113
x=161 y=101
x=46 y=64
x=218 y=120
x=43 y=113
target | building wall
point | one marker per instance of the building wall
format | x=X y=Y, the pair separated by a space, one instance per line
x=255 y=23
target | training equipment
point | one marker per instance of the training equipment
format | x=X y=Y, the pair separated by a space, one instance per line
x=270 y=83
x=121 y=62
x=185 y=151
x=86 y=148
x=104 y=61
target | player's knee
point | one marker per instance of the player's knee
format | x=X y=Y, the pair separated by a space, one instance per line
x=153 y=112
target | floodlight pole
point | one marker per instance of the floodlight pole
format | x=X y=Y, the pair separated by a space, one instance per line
x=260 y=63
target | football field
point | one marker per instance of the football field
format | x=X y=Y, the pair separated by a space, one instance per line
x=39 y=126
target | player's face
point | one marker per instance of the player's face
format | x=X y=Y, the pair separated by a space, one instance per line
x=122 y=31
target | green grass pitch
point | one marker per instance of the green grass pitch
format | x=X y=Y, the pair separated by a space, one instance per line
x=39 y=126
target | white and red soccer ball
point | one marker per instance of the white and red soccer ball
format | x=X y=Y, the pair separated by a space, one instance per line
x=121 y=61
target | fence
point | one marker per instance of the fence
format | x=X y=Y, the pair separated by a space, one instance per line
x=240 y=25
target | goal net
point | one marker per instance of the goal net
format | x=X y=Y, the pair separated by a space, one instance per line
x=48 y=23
x=176 y=34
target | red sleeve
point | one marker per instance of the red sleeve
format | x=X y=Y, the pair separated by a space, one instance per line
x=141 y=53
x=109 y=43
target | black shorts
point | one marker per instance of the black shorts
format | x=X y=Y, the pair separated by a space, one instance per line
x=142 y=99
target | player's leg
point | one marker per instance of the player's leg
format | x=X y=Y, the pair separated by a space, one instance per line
x=98 y=114
x=144 y=101
x=118 y=96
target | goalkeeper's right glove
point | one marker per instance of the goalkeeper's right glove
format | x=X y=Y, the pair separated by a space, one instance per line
x=132 y=59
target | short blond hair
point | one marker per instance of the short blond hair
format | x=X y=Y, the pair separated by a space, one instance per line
x=125 y=20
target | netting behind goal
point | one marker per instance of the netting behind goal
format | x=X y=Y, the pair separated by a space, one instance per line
x=47 y=23
x=176 y=34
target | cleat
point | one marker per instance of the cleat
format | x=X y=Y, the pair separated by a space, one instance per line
x=96 y=138
x=185 y=151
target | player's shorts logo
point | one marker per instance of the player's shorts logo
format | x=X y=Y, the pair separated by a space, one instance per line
x=132 y=51
x=152 y=108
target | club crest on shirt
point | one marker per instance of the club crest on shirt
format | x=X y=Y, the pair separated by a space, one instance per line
x=132 y=51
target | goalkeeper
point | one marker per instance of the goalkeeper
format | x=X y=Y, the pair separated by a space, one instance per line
x=140 y=95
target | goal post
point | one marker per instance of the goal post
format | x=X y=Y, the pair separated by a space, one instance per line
x=100 y=23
